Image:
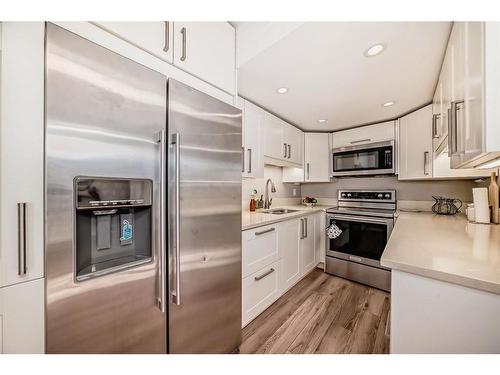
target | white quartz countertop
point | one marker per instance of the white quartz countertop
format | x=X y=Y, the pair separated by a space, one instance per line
x=256 y=219
x=446 y=248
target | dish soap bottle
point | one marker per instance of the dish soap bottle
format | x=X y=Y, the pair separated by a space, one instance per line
x=493 y=198
x=253 y=203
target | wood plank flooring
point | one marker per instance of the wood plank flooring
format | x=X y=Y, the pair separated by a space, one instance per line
x=322 y=314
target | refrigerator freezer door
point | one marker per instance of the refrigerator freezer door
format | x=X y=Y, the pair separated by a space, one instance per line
x=103 y=112
x=204 y=222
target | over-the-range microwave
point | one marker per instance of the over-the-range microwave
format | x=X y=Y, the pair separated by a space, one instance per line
x=375 y=158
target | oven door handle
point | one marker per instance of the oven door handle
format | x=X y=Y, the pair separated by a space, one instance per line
x=363 y=219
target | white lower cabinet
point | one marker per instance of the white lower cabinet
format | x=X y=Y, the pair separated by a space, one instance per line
x=307 y=248
x=275 y=257
x=259 y=290
x=289 y=244
x=22 y=318
x=260 y=248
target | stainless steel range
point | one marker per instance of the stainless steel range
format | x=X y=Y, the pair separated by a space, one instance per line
x=358 y=230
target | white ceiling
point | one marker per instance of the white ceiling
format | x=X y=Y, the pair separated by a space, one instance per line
x=328 y=76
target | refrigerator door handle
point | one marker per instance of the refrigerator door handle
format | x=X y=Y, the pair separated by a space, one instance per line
x=163 y=221
x=176 y=293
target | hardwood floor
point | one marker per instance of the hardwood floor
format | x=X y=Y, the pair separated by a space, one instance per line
x=322 y=314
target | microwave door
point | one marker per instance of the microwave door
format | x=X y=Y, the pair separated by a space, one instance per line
x=368 y=159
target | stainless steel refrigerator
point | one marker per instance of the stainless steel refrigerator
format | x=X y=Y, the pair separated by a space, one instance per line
x=143 y=208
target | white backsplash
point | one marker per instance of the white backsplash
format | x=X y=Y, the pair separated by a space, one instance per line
x=284 y=192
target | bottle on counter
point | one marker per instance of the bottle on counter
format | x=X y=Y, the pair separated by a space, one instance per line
x=493 y=198
x=253 y=202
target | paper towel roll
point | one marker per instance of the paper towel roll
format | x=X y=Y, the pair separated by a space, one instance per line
x=481 y=206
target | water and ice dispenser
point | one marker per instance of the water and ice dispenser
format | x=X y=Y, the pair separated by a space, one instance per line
x=113 y=225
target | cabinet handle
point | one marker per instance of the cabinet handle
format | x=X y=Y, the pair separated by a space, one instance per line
x=264 y=231
x=257 y=278
x=426 y=157
x=289 y=151
x=307 y=170
x=249 y=160
x=435 y=119
x=184 y=37
x=166 y=46
x=302 y=231
x=21 y=238
x=243 y=159
x=284 y=144
x=307 y=229
x=361 y=140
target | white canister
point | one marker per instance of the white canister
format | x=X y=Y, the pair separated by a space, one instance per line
x=481 y=205
x=469 y=211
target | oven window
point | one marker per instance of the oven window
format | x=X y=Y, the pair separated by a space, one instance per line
x=365 y=240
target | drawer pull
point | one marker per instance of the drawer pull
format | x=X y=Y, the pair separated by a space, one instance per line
x=257 y=278
x=264 y=231
x=355 y=259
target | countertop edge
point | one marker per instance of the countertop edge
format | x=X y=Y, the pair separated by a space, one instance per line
x=464 y=281
x=278 y=219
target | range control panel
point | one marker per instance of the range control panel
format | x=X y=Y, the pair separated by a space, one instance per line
x=367 y=195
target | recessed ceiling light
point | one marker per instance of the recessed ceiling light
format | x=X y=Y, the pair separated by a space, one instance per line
x=282 y=90
x=374 y=50
x=322 y=120
x=388 y=104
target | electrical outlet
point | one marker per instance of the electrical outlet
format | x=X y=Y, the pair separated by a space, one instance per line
x=294 y=192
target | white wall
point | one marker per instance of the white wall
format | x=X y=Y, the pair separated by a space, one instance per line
x=283 y=191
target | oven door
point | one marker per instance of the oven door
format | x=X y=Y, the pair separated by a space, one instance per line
x=362 y=239
x=368 y=159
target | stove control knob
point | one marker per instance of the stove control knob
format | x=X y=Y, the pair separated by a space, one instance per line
x=379 y=195
x=348 y=195
x=388 y=196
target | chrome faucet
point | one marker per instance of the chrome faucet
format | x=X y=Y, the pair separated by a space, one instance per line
x=267 y=201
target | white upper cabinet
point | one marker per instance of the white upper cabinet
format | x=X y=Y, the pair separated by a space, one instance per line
x=274 y=147
x=253 y=150
x=366 y=134
x=153 y=37
x=316 y=157
x=470 y=92
x=416 y=158
x=207 y=50
x=415 y=145
x=283 y=143
x=294 y=140
x=22 y=152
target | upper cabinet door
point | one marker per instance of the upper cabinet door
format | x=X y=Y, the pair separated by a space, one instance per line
x=316 y=157
x=153 y=37
x=207 y=50
x=274 y=145
x=22 y=152
x=294 y=138
x=253 y=157
x=366 y=134
x=415 y=145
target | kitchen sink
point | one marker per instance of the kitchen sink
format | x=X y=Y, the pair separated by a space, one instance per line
x=279 y=211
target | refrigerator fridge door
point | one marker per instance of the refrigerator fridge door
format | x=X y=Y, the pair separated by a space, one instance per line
x=204 y=192
x=103 y=113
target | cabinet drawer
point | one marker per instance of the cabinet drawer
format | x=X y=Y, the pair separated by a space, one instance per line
x=259 y=248
x=260 y=290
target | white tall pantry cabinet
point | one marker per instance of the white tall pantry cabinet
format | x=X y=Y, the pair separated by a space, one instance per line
x=21 y=188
